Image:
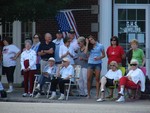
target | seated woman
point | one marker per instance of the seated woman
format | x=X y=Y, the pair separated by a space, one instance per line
x=131 y=79
x=64 y=75
x=48 y=72
x=114 y=74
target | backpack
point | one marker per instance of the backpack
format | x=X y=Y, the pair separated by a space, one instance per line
x=3 y=94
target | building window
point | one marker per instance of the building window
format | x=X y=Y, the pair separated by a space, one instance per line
x=7 y=30
x=132 y=1
x=131 y=24
x=26 y=32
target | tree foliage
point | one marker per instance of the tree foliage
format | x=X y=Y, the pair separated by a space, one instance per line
x=32 y=10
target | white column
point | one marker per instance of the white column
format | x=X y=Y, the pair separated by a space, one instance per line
x=0 y=29
x=105 y=33
x=147 y=42
x=17 y=42
x=33 y=28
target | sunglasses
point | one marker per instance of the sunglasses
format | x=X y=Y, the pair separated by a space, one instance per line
x=64 y=61
x=113 y=40
x=112 y=65
x=36 y=37
x=133 y=64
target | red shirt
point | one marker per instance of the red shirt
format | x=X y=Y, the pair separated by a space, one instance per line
x=115 y=54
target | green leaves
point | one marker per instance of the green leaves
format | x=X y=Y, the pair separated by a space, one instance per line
x=25 y=10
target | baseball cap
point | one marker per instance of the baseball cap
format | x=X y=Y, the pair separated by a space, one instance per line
x=59 y=32
x=66 y=59
x=71 y=31
x=51 y=59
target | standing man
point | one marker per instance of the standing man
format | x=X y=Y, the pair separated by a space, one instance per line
x=58 y=42
x=73 y=42
x=46 y=50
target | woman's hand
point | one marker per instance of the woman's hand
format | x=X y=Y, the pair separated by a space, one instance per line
x=129 y=77
x=80 y=58
x=87 y=41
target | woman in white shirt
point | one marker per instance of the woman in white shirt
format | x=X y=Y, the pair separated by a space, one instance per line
x=114 y=74
x=131 y=79
x=10 y=54
x=28 y=66
x=67 y=51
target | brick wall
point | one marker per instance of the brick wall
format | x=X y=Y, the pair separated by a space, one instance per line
x=83 y=19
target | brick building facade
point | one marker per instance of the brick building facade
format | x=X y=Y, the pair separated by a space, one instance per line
x=83 y=18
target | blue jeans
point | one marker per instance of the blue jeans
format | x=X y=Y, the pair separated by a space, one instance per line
x=42 y=79
x=95 y=66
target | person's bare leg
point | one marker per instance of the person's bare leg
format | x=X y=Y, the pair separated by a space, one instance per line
x=97 y=75
x=103 y=82
x=89 y=76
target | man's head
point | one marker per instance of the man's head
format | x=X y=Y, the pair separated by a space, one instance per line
x=59 y=34
x=51 y=61
x=48 y=37
x=71 y=34
x=65 y=61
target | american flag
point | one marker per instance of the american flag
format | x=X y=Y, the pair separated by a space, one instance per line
x=66 y=22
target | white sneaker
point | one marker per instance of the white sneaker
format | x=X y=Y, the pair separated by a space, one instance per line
x=30 y=95
x=9 y=90
x=38 y=95
x=100 y=100
x=62 y=97
x=121 y=99
x=120 y=93
x=52 y=97
x=25 y=94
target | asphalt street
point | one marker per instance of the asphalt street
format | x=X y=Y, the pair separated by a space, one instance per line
x=112 y=107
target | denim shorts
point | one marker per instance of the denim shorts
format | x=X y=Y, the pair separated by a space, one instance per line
x=95 y=66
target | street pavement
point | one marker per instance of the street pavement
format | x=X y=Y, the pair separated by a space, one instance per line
x=15 y=103
x=14 y=107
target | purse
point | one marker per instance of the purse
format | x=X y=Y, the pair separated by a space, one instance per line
x=26 y=64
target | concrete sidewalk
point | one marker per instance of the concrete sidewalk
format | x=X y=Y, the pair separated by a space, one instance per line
x=16 y=96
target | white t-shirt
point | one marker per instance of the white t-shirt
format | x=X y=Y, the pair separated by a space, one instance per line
x=9 y=51
x=65 y=72
x=116 y=75
x=63 y=50
x=75 y=46
x=136 y=76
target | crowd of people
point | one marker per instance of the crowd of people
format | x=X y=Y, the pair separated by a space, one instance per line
x=55 y=60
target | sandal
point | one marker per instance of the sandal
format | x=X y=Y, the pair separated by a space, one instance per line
x=110 y=96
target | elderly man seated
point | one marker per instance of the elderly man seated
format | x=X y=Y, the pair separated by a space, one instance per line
x=64 y=76
x=48 y=72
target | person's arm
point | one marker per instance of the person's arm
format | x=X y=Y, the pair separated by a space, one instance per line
x=143 y=61
x=122 y=53
x=70 y=73
x=107 y=52
x=61 y=55
x=22 y=62
x=32 y=60
x=71 y=52
x=102 y=56
x=142 y=79
x=16 y=56
x=40 y=51
x=50 y=51
x=86 y=46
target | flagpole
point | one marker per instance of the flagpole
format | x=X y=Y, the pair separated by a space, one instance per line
x=74 y=10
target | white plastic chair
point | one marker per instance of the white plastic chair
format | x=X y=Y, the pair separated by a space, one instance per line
x=77 y=69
